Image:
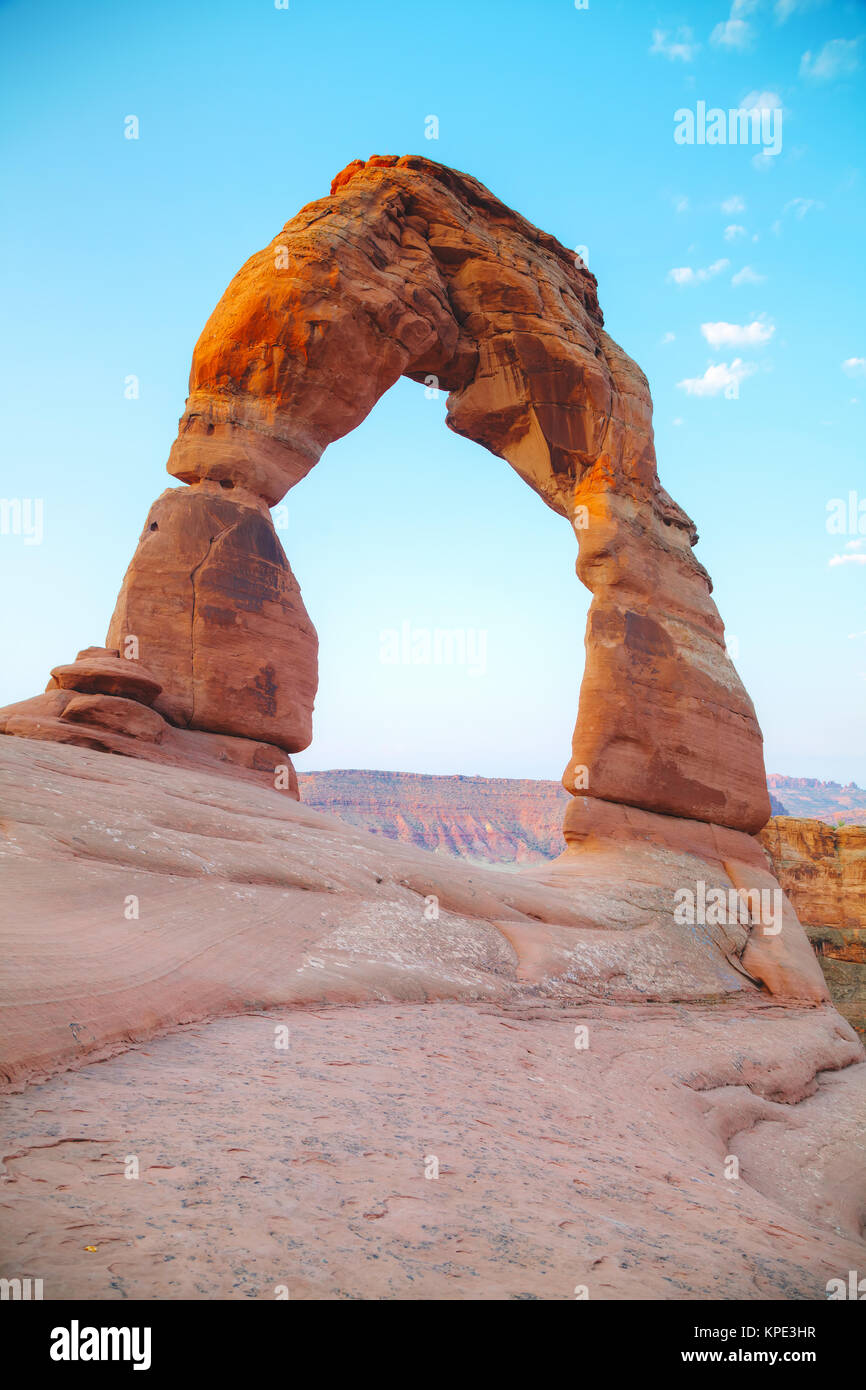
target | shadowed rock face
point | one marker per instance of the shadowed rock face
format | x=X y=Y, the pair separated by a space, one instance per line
x=211 y=595
x=411 y=269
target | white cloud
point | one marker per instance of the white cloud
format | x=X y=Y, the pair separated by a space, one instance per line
x=838 y=58
x=685 y=275
x=732 y=33
x=855 y=545
x=800 y=206
x=668 y=338
x=681 y=204
x=737 y=334
x=732 y=232
x=747 y=276
x=677 y=421
x=854 y=366
x=783 y=9
x=853 y=559
x=717 y=378
x=677 y=46
x=734 y=204
x=765 y=101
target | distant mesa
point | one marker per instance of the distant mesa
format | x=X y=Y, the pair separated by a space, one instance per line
x=494 y=820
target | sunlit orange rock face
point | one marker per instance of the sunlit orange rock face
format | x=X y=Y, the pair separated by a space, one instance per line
x=408 y=268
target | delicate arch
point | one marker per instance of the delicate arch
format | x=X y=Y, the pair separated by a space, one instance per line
x=410 y=268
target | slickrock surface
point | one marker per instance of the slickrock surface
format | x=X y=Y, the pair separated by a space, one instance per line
x=512 y=821
x=145 y=897
x=237 y=887
x=304 y=1168
x=823 y=871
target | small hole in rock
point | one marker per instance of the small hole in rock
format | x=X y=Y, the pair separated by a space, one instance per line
x=154 y=526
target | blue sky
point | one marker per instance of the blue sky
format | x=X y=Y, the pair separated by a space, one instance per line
x=716 y=264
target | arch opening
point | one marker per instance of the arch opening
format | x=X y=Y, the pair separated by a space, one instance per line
x=443 y=594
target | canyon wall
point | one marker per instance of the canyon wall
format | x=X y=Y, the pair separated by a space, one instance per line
x=495 y=820
x=499 y=820
x=822 y=868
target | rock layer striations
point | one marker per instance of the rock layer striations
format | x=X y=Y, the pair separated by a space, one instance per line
x=822 y=868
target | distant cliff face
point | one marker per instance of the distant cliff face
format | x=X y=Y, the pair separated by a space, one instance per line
x=822 y=868
x=495 y=819
x=499 y=820
x=807 y=797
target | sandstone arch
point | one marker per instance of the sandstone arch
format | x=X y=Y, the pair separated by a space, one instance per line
x=410 y=268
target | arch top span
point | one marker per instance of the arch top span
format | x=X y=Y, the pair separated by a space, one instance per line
x=409 y=268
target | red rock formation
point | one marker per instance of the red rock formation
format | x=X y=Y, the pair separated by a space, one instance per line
x=409 y=268
x=823 y=870
x=219 y=618
x=101 y=671
x=79 y=707
x=664 y=722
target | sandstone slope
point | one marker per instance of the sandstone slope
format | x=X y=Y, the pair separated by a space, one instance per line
x=582 y=1069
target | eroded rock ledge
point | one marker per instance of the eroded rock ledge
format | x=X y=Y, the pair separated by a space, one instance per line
x=823 y=871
